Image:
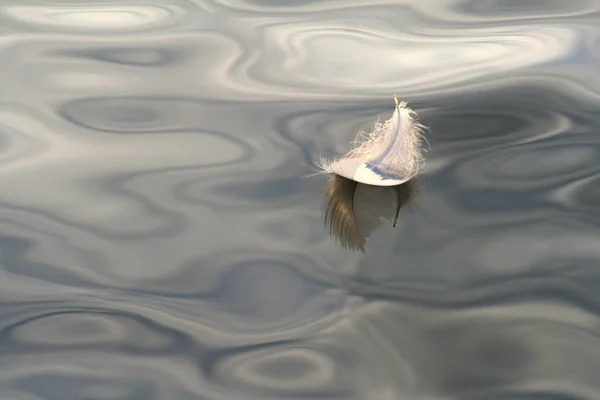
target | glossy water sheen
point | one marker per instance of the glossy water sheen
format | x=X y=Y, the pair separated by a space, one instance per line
x=157 y=240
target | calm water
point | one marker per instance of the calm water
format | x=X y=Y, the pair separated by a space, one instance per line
x=158 y=240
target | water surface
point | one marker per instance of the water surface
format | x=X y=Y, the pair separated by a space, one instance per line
x=158 y=240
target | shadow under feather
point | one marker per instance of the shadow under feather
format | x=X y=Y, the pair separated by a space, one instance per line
x=354 y=210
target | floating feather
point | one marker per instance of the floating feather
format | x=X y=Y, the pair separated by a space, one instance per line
x=388 y=156
x=380 y=171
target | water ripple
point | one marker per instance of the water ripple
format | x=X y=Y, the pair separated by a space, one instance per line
x=157 y=239
x=85 y=328
x=312 y=58
x=293 y=371
x=496 y=11
x=323 y=49
x=123 y=55
x=115 y=18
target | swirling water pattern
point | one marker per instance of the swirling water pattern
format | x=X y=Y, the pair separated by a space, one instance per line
x=157 y=240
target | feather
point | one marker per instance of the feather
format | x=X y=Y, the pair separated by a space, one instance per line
x=354 y=210
x=375 y=179
x=389 y=155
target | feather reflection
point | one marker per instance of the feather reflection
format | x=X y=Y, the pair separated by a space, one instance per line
x=354 y=210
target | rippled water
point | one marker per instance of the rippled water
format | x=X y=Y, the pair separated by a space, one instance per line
x=158 y=240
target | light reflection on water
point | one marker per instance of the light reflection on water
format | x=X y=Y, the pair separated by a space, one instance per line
x=158 y=240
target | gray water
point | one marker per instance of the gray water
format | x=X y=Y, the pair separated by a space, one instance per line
x=159 y=239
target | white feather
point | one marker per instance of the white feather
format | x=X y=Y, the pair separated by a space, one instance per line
x=390 y=155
